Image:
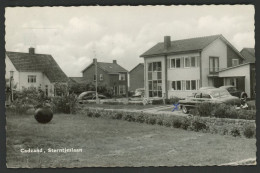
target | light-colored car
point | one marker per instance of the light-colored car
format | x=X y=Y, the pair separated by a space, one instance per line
x=89 y=95
x=139 y=92
x=234 y=91
x=216 y=95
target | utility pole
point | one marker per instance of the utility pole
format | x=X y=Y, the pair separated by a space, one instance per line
x=96 y=74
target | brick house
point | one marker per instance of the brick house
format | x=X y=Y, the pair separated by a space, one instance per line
x=136 y=76
x=180 y=67
x=34 y=70
x=110 y=75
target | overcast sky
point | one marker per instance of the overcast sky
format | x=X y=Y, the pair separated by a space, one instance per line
x=74 y=35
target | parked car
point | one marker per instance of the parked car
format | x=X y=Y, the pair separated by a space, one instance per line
x=139 y=92
x=210 y=95
x=206 y=88
x=234 y=91
x=89 y=95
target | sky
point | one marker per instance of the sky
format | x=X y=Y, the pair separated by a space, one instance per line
x=76 y=35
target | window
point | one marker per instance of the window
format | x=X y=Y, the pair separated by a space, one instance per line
x=193 y=85
x=121 y=76
x=187 y=85
x=175 y=63
x=178 y=85
x=155 y=79
x=122 y=89
x=213 y=64
x=187 y=62
x=235 y=62
x=172 y=63
x=31 y=79
x=94 y=78
x=101 y=77
x=178 y=63
x=184 y=85
x=190 y=62
x=173 y=85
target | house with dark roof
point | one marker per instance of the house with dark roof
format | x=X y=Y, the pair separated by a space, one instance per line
x=34 y=70
x=179 y=67
x=110 y=75
x=249 y=54
x=136 y=77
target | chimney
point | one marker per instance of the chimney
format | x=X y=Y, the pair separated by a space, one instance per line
x=167 y=42
x=94 y=60
x=31 y=50
x=114 y=62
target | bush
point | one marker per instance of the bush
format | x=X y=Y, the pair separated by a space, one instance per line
x=205 y=109
x=235 y=132
x=172 y=100
x=90 y=114
x=177 y=123
x=249 y=131
x=129 y=118
x=152 y=121
x=160 y=122
x=198 y=125
x=167 y=123
x=157 y=102
x=97 y=115
x=246 y=114
x=185 y=124
x=140 y=118
x=117 y=116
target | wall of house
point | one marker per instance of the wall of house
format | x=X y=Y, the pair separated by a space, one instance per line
x=231 y=54
x=238 y=71
x=137 y=78
x=184 y=73
x=114 y=81
x=89 y=76
x=154 y=59
x=216 y=49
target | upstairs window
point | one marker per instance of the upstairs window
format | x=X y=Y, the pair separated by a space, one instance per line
x=235 y=62
x=31 y=79
x=101 y=77
x=175 y=63
x=190 y=62
x=121 y=76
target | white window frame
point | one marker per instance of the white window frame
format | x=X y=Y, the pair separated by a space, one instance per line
x=175 y=65
x=101 y=77
x=122 y=88
x=233 y=60
x=196 y=85
x=190 y=57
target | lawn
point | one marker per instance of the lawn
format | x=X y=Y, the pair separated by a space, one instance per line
x=107 y=142
x=121 y=106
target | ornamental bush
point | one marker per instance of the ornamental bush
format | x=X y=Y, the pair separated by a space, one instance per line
x=249 y=131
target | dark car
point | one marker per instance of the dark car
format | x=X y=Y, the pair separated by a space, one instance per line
x=89 y=95
x=234 y=91
x=210 y=95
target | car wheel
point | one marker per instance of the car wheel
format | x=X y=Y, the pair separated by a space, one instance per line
x=185 y=109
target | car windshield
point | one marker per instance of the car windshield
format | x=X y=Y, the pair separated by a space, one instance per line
x=220 y=93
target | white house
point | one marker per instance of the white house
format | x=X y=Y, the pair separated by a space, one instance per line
x=180 y=67
x=34 y=70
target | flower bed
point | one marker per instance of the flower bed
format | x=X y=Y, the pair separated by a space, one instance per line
x=224 y=126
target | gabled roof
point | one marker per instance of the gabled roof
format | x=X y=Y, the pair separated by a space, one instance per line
x=140 y=64
x=249 y=54
x=79 y=80
x=108 y=67
x=186 y=45
x=27 y=62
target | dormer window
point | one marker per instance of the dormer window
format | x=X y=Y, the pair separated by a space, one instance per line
x=235 y=62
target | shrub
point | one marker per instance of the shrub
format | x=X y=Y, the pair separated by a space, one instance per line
x=167 y=123
x=90 y=114
x=198 y=125
x=129 y=118
x=140 y=118
x=160 y=122
x=172 y=100
x=235 y=132
x=117 y=116
x=152 y=121
x=205 y=109
x=185 y=124
x=177 y=123
x=246 y=114
x=157 y=102
x=249 y=131
x=97 y=115
x=224 y=131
